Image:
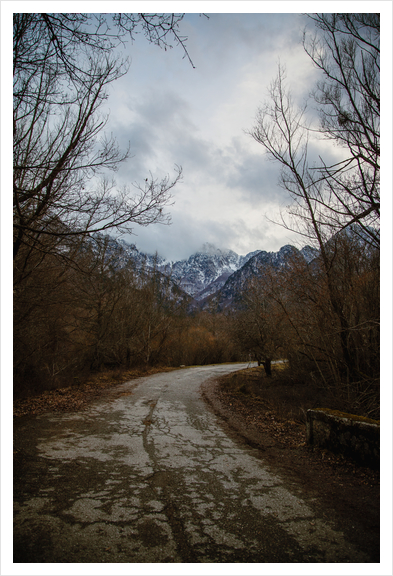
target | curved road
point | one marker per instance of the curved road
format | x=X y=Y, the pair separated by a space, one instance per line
x=149 y=475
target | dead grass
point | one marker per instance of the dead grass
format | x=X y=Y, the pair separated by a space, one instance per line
x=288 y=396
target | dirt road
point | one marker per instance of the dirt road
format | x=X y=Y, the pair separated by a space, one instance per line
x=150 y=475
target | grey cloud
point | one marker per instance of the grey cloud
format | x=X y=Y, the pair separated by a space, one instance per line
x=187 y=234
x=173 y=114
x=175 y=242
x=237 y=37
x=161 y=126
x=163 y=109
x=255 y=175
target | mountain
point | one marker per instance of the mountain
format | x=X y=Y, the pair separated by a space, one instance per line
x=217 y=273
x=202 y=274
x=207 y=270
x=254 y=267
x=210 y=271
x=120 y=254
x=309 y=253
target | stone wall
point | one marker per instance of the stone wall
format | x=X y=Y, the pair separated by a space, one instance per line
x=345 y=434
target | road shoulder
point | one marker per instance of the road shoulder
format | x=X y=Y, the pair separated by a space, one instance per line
x=348 y=494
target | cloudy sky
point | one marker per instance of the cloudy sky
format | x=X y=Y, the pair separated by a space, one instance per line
x=173 y=114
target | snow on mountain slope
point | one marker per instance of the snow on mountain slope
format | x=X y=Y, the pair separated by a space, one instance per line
x=210 y=269
x=205 y=268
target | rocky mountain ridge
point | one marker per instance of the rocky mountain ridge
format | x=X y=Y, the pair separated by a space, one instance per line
x=255 y=266
x=210 y=269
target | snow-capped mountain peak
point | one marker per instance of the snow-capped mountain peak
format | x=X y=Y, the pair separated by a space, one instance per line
x=207 y=270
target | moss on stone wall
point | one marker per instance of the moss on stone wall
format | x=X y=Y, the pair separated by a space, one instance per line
x=343 y=433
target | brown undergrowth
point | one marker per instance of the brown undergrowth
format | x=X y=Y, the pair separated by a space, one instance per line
x=288 y=395
x=276 y=408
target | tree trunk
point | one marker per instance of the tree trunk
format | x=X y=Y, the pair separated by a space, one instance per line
x=128 y=358
x=267 y=364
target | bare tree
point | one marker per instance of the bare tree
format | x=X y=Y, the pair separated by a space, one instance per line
x=63 y=64
x=280 y=130
x=259 y=323
x=329 y=198
x=347 y=52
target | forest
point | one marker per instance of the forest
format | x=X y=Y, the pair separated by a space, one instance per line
x=77 y=313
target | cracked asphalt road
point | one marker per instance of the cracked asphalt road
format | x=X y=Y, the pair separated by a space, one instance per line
x=149 y=475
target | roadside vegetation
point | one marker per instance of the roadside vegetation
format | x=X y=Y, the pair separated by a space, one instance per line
x=282 y=396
